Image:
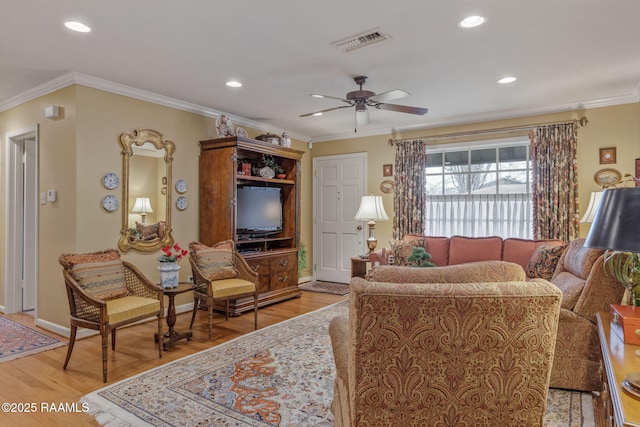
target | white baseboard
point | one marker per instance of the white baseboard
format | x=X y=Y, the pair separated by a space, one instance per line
x=302 y=280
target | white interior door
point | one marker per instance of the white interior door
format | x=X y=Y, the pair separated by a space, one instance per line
x=339 y=184
x=22 y=221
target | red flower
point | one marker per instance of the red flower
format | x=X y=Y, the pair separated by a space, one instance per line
x=170 y=256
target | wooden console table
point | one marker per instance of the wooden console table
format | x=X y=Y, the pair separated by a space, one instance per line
x=619 y=359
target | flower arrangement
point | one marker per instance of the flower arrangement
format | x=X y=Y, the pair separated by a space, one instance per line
x=170 y=256
x=270 y=162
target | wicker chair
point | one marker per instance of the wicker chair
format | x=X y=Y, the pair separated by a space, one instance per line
x=221 y=274
x=106 y=293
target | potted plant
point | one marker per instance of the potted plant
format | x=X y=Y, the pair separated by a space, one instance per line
x=420 y=258
x=270 y=163
x=169 y=268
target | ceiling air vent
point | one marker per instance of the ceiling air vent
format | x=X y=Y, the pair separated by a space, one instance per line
x=361 y=40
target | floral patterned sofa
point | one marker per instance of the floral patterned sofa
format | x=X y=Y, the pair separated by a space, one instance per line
x=420 y=353
x=537 y=257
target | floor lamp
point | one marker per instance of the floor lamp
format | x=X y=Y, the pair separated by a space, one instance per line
x=372 y=210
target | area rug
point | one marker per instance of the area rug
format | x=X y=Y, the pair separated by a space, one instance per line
x=280 y=376
x=325 y=287
x=17 y=340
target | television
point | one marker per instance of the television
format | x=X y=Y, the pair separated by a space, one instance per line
x=259 y=210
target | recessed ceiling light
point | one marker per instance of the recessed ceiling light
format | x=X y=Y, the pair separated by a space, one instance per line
x=317 y=114
x=472 y=21
x=77 y=26
x=315 y=95
x=233 y=83
x=505 y=80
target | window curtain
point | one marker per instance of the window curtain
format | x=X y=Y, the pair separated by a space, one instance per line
x=555 y=182
x=409 y=176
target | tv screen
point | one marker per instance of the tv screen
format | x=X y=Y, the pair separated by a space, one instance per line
x=259 y=209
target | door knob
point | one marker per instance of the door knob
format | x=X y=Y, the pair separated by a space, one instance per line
x=359 y=227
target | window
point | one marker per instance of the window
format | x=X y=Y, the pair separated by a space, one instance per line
x=479 y=190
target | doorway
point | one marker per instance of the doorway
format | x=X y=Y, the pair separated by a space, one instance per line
x=339 y=182
x=21 y=243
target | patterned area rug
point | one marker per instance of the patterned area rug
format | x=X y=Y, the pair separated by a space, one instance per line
x=281 y=376
x=17 y=340
x=326 y=287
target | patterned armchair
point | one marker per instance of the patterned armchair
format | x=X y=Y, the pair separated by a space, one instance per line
x=427 y=354
x=106 y=293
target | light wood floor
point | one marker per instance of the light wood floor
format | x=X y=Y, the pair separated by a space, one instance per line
x=40 y=378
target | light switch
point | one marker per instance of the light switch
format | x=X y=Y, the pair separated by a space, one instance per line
x=52 y=195
x=43 y=198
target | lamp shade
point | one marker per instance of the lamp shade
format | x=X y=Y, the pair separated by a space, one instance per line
x=616 y=225
x=371 y=208
x=142 y=205
x=594 y=201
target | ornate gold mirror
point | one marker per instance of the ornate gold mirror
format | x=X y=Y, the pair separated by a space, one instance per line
x=146 y=191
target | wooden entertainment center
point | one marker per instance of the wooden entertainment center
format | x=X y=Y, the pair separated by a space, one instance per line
x=273 y=255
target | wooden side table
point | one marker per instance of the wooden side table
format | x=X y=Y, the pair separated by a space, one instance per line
x=359 y=266
x=172 y=336
x=619 y=359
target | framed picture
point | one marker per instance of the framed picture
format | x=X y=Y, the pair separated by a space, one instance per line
x=607 y=155
x=387 y=170
x=607 y=177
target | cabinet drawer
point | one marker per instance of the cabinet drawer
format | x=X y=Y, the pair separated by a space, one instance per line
x=261 y=266
x=283 y=271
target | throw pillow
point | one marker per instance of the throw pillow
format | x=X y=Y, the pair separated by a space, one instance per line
x=401 y=249
x=215 y=262
x=102 y=280
x=147 y=231
x=544 y=260
x=69 y=260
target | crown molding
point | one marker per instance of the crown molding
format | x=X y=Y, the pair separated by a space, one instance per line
x=132 y=92
x=494 y=116
x=143 y=95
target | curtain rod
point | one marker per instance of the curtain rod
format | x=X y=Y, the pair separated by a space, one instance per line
x=582 y=122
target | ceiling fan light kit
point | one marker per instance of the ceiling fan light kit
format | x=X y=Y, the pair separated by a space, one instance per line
x=361 y=99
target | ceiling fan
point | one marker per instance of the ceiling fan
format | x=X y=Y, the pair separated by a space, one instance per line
x=361 y=99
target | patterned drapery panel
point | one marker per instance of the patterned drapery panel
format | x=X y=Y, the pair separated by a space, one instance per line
x=409 y=177
x=555 y=182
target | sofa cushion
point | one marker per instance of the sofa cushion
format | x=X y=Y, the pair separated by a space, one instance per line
x=438 y=247
x=470 y=249
x=214 y=262
x=571 y=287
x=520 y=251
x=579 y=259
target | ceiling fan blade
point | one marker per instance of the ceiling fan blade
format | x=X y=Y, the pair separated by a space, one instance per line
x=324 y=111
x=389 y=95
x=362 y=117
x=402 y=108
x=315 y=95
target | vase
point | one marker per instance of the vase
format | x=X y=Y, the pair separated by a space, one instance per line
x=169 y=272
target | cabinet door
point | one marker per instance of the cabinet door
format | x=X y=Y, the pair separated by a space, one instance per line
x=261 y=266
x=284 y=271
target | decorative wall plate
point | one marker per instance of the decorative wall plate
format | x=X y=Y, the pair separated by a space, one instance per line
x=387 y=186
x=181 y=186
x=607 y=177
x=110 y=202
x=182 y=203
x=110 y=181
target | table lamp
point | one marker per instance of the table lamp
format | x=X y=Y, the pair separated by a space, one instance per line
x=594 y=202
x=616 y=227
x=372 y=210
x=142 y=206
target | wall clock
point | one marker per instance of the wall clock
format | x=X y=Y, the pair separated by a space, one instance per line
x=607 y=177
x=182 y=203
x=110 y=181
x=110 y=202
x=181 y=186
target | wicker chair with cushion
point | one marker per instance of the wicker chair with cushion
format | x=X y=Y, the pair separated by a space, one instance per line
x=106 y=293
x=221 y=274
